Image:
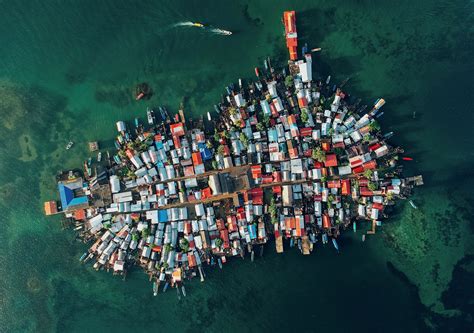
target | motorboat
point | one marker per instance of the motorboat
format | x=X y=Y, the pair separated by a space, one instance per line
x=99 y=157
x=334 y=242
x=69 y=145
x=155 y=288
x=149 y=115
x=222 y=32
x=198 y=25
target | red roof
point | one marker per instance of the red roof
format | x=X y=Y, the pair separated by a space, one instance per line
x=224 y=235
x=192 y=260
x=187 y=228
x=267 y=179
x=206 y=193
x=377 y=205
x=177 y=129
x=331 y=160
x=231 y=223
x=256 y=171
x=365 y=192
x=79 y=214
x=306 y=131
x=276 y=189
x=189 y=170
x=326 y=146
x=359 y=169
x=375 y=146
x=370 y=165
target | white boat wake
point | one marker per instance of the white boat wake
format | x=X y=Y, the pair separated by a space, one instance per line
x=183 y=24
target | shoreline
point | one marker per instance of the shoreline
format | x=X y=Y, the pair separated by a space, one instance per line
x=325 y=160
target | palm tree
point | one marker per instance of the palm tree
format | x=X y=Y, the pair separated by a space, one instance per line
x=374 y=126
x=260 y=127
x=219 y=242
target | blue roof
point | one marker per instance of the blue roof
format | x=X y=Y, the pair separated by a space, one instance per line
x=163 y=216
x=253 y=231
x=272 y=135
x=206 y=154
x=67 y=197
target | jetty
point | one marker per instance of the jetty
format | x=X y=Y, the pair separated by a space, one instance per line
x=286 y=157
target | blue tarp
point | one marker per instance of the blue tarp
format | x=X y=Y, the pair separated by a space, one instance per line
x=272 y=135
x=163 y=216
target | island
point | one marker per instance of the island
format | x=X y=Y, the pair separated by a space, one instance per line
x=284 y=159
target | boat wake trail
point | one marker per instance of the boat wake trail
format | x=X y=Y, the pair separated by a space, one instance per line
x=183 y=24
x=220 y=32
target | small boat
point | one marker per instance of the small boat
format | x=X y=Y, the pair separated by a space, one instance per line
x=69 y=145
x=136 y=122
x=388 y=135
x=155 y=288
x=265 y=63
x=252 y=255
x=229 y=91
x=292 y=242
x=257 y=72
x=178 y=293
x=240 y=83
x=198 y=25
x=354 y=226
x=304 y=49
x=99 y=156
x=328 y=79
x=379 y=115
x=166 y=286
x=140 y=96
x=324 y=238
x=413 y=204
x=407 y=158
x=219 y=261
x=209 y=116
x=317 y=49
x=334 y=242
x=212 y=261
x=216 y=107
x=363 y=237
x=84 y=255
x=312 y=238
x=89 y=162
x=183 y=290
x=149 y=115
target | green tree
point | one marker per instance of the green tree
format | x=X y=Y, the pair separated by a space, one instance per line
x=244 y=139
x=368 y=173
x=266 y=120
x=260 y=127
x=184 y=244
x=372 y=186
x=304 y=115
x=389 y=196
x=318 y=154
x=216 y=136
x=219 y=242
x=220 y=150
x=215 y=165
x=374 y=126
x=289 y=81
x=232 y=111
x=145 y=233
x=366 y=138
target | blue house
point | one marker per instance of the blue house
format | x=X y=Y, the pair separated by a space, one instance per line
x=71 y=195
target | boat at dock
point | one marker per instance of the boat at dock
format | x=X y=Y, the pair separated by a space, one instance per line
x=336 y=246
x=219 y=261
x=178 y=293
x=149 y=116
x=69 y=145
x=183 y=290
x=135 y=121
x=165 y=288
x=354 y=226
x=155 y=288
x=363 y=237
x=324 y=238
x=413 y=204
x=99 y=156
x=84 y=255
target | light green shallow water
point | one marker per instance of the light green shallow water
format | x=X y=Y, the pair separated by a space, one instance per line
x=68 y=71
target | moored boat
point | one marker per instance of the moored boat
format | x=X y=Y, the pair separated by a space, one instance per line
x=166 y=286
x=99 y=156
x=336 y=246
x=149 y=115
x=413 y=204
x=69 y=145
x=155 y=288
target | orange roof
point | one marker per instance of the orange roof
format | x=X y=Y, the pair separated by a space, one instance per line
x=331 y=160
x=192 y=260
x=197 y=159
x=50 y=207
x=326 y=146
x=346 y=187
x=326 y=221
x=206 y=193
x=79 y=214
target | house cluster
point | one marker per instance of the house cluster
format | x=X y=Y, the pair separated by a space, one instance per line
x=287 y=158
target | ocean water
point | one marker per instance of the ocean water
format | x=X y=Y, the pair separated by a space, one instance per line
x=68 y=71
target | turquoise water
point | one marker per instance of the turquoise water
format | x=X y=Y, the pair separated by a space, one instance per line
x=68 y=71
